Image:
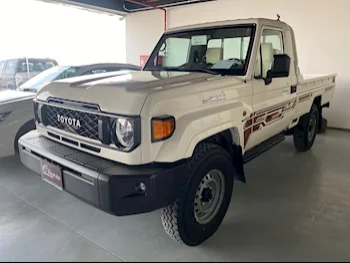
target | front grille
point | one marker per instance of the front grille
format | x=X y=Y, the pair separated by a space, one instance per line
x=88 y=122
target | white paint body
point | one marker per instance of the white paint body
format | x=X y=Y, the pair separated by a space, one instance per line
x=183 y=96
x=18 y=106
x=322 y=45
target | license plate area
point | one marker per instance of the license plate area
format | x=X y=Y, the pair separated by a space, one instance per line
x=52 y=174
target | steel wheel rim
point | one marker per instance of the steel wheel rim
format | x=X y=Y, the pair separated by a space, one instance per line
x=312 y=127
x=209 y=196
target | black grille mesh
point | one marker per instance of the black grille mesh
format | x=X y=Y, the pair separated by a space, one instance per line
x=88 y=121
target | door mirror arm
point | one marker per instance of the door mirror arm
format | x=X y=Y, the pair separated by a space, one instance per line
x=269 y=77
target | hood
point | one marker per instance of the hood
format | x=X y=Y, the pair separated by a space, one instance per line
x=33 y=88
x=7 y=96
x=120 y=93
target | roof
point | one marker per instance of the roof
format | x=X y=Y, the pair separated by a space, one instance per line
x=38 y=58
x=263 y=21
x=119 y=65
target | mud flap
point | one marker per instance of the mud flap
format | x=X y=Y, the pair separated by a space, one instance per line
x=238 y=163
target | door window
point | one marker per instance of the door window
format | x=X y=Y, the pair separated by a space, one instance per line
x=271 y=44
x=11 y=67
x=2 y=65
x=275 y=38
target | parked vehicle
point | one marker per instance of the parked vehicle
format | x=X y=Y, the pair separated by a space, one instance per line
x=16 y=119
x=210 y=98
x=63 y=72
x=16 y=107
x=15 y=72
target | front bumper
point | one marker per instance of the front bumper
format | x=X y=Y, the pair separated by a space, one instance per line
x=107 y=185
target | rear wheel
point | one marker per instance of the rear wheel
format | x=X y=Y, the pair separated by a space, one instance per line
x=204 y=199
x=306 y=130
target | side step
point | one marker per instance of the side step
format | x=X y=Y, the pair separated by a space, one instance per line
x=262 y=147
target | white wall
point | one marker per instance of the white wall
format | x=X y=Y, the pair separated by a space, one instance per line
x=321 y=29
x=143 y=30
x=68 y=34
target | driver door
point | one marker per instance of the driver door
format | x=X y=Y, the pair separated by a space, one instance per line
x=272 y=103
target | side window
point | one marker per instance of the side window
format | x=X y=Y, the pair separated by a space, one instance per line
x=97 y=71
x=2 y=65
x=271 y=44
x=68 y=73
x=38 y=65
x=22 y=66
x=11 y=67
x=275 y=38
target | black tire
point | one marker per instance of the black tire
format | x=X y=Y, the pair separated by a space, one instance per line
x=179 y=219
x=304 y=138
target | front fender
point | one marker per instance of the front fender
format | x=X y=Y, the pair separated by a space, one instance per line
x=195 y=127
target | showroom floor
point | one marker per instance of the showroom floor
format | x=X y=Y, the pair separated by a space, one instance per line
x=294 y=207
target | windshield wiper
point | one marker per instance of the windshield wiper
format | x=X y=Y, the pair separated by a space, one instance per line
x=164 y=69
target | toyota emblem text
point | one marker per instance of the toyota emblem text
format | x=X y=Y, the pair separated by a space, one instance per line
x=70 y=121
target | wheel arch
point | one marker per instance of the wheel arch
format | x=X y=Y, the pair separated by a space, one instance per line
x=26 y=127
x=229 y=139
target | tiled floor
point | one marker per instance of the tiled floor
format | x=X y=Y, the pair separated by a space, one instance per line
x=294 y=207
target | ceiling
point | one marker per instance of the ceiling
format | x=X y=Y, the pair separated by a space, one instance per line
x=124 y=7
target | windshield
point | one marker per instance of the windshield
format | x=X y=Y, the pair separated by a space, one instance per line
x=47 y=76
x=223 y=50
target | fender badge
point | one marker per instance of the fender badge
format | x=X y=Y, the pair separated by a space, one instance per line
x=214 y=99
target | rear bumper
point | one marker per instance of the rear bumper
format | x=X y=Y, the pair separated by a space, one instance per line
x=107 y=185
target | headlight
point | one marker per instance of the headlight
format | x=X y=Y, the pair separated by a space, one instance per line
x=126 y=133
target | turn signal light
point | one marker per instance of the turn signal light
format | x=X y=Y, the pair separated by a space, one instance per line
x=162 y=128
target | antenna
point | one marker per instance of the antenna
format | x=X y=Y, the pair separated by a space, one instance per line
x=278 y=17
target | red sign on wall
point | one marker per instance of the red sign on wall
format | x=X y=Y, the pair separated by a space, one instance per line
x=143 y=60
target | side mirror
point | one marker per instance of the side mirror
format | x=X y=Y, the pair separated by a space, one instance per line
x=280 y=68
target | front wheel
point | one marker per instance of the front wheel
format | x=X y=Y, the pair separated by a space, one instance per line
x=204 y=198
x=306 y=130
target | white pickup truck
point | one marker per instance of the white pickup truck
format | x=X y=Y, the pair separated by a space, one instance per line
x=174 y=136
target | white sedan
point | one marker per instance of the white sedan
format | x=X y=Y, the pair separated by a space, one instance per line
x=16 y=119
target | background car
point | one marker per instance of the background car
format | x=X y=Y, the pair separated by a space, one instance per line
x=15 y=72
x=63 y=72
x=16 y=119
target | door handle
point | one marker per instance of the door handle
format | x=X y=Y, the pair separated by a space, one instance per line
x=293 y=89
